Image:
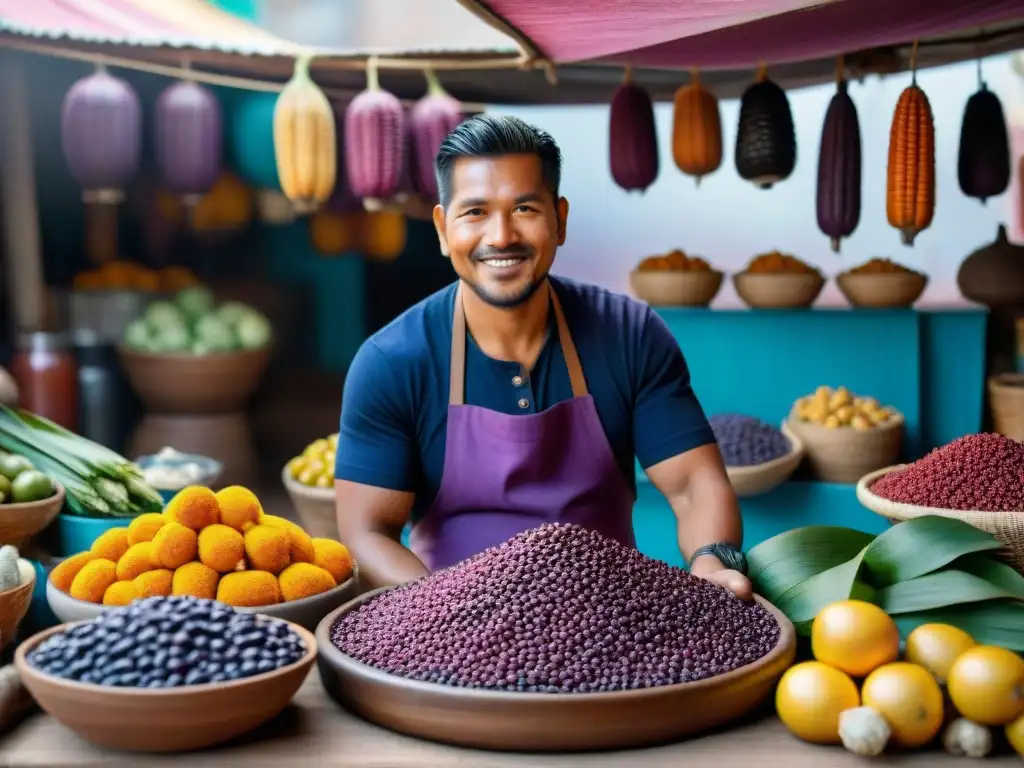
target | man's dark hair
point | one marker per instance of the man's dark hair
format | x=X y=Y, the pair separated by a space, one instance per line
x=491 y=136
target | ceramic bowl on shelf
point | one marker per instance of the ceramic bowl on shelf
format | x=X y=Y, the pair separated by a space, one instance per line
x=192 y=384
x=761 y=478
x=676 y=288
x=20 y=522
x=306 y=612
x=892 y=290
x=519 y=722
x=194 y=470
x=314 y=506
x=1005 y=526
x=76 y=533
x=845 y=454
x=165 y=720
x=778 y=290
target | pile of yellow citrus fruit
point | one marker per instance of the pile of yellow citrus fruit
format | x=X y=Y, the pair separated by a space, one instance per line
x=859 y=693
x=315 y=465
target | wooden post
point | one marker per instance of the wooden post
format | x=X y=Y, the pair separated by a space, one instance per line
x=22 y=250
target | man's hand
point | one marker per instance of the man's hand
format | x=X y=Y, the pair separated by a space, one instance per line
x=734 y=581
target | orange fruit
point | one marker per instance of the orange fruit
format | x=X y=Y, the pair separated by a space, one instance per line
x=986 y=685
x=855 y=637
x=1015 y=735
x=810 y=698
x=935 y=647
x=909 y=699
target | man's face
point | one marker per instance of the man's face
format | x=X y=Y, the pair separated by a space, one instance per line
x=502 y=226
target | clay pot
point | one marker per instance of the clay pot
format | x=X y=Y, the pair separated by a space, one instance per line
x=994 y=274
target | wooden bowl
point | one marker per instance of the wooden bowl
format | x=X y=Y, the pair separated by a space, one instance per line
x=676 y=288
x=886 y=289
x=1008 y=527
x=315 y=507
x=14 y=604
x=306 y=612
x=761 y=478
x=191 y=384
x=20 y=522
x=543 y=722
x=845 y=454
x=166 y=719
x=778 y=290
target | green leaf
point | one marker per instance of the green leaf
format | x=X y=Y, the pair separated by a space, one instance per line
x=804 y=601
x=937 y=590
x=791 y=558
x=994 y=622
x=920 y=546
x=995 y=572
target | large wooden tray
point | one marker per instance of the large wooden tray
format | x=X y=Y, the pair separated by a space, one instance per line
x=540 y=722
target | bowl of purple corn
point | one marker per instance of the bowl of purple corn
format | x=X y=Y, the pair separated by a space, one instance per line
x=757 y=456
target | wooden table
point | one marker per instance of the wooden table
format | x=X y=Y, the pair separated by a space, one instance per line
x=316 y=732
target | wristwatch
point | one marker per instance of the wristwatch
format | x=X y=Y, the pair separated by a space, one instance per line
x=729 y=556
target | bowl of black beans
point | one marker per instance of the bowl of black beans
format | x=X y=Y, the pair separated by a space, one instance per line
x=166 y=674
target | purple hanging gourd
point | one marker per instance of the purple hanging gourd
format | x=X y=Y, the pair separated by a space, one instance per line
x=375 y=138
x=189 y=136
x=983 y=162
x=633 y=141
x=432 y=118
x=839 y=167
x=101 y=135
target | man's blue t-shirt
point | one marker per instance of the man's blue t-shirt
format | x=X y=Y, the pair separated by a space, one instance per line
x=395 y=404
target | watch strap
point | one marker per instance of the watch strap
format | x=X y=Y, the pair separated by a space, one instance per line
x=729 y=556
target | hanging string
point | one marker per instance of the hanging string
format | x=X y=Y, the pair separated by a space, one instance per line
x=840 y=69
x=913 y=64
x=981 y=78
x=627 y=76
x=762 y=72
x=695 y=76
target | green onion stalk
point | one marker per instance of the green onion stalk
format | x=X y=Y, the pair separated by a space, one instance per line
x=98 y=482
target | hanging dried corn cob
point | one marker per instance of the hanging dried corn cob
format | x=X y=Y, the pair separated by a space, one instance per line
x=839 y=165
x=910 y=182
x=375 y=142
x=983 y=162
x=633 y=140
x=766 y=137
x=696 y=130
x=305 y=144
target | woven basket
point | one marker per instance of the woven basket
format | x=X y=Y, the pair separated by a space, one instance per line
x=14 y=604
x=845 y=454
x=1008 y=527
x=887 y=289
x=20 y=522
x=315 y=507
x=778 y=290
x=761 y=478
x=1006 y=396
x=676 y=288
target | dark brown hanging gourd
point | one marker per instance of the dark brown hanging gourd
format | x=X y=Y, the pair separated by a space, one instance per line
x=766 y=138
x=633 y=141
x=839 y=167
x=983 y=163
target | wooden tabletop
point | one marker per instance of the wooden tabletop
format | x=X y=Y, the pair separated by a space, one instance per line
x=315 y=731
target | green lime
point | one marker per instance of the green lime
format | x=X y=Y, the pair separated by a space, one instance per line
x=31 y=486
x=11 y=466
x=5 y=488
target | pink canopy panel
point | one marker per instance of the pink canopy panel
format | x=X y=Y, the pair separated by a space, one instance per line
x=736 y=33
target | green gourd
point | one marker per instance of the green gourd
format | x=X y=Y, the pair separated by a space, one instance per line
x=10 y=574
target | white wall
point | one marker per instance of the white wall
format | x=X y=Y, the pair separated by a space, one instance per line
x=728 y=220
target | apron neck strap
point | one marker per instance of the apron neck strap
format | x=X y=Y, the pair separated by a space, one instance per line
x=457 y=373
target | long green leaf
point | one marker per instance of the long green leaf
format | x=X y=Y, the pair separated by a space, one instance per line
x=994 y=622
x=941 y=589
x=986 y=566
x=791 y=558
x=804 y=601
x=920 y=546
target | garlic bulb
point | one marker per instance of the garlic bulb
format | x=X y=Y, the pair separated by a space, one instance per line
x=965 y=738
x=864 y=731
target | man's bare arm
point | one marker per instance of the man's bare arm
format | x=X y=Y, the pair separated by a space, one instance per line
x=370 y=521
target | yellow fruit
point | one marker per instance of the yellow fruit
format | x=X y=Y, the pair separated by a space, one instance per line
x=325 y=480
x=296 y=465
x=1015 y=735
x=909 y=699
x=935 y=647
x=307 y=476
x=855 y=637
x=986 y=685
x=810 y=698
x=332 y=440
x=316 y=449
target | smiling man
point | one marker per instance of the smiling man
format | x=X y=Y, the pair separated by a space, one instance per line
x=513 y=398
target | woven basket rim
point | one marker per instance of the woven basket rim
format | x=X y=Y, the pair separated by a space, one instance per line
x=896 y=421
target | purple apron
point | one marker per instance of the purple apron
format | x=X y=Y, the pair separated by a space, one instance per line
x=505 y=474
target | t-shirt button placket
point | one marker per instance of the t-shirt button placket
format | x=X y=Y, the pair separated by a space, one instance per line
x=517 y=381
x=524 y=403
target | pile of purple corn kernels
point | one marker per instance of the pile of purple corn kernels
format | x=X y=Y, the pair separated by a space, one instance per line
x=745 y=441
x=558 y=609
